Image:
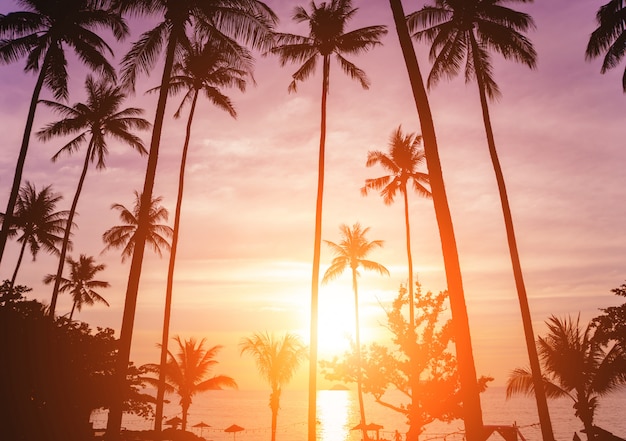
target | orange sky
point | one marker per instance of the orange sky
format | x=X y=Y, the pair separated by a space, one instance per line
x=248 y=214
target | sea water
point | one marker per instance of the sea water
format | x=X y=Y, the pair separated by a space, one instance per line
x=338 y=413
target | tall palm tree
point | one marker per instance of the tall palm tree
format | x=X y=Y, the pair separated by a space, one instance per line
x=206 y=67
x=470 y=390
x=327 y=37
x=186 y=373
x=351 y=253
x=405 y=156
x=95 y=120
x=609 y=37
x=125 y=236
x=81 y=283
x=40 y=225
x=277 y=360
x=576 y=365
x=463 y=33
x=249 y=21
x=41 y=33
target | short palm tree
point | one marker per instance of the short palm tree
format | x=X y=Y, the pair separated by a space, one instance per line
x=41 y=33
x=92 y=122
x=38 y=222
x=277 y=360
x=248 y=21
x=81 y=284
x=186 y=373
x=609 y=38
x=351 y=253
x=207 y=68
x=124 y=236
x=576 y=365
x=327 y=37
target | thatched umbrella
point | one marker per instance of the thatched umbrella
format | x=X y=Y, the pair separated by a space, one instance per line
x=234 y=429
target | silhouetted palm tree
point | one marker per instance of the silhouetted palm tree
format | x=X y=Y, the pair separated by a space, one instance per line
x=463 y=33
x=277 y=360
x=41 y=33
x=610 y=37
x=186 y=373
x=81 y=282
x=327 y=36
x=249 y=21
x=470 y=389
x=405 y=156
x=206 y=67
x=351 y=253
x=94 y=121
x=40 y=225
x=125 y=236
x=576 y=366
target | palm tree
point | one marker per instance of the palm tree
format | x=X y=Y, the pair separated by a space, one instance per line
x=206 y=67
x=81 y=282
x=470 y=390
x=277 y=360
x=326 y=37
x=405 y=155
x=351 y=252
x=249 y=21
x=610 y=36
x=40 y=225
x=467 y=30
x=576 y=365
x=186 y=373
x=97 y=119
x=41 y=33
x=125 y=236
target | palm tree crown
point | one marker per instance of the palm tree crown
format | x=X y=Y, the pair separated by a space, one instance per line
x=123 y=236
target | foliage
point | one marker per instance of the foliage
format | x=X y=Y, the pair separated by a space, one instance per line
x=55 y=373
x=612 y=324
x=437 y=396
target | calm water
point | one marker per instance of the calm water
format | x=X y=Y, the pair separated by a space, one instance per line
x=338 y=413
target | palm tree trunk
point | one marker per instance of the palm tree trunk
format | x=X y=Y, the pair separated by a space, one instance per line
x=409 y=257
x=317 y=245
x=19 y=262
x=170 y=271
x=275 y=405
x=68 y=228
x=19 y=167
x=357 y=338
x=469 y=386
x=535 y=367
x=114 y=422
x=72 y=311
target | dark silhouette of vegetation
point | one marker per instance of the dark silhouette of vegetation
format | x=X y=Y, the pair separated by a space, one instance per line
x=609 y=38
x=95 y=120
x=462 y=33
x=277 y=360
x=55 y=373
x=327 y=36
x=41 y=33
x=470 y=389
x=429 y=341
x=611 y=326
x=575 y=365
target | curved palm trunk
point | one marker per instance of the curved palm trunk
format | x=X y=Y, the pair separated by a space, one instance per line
x=114 y=422
x=68 y=228
x=19 y=262
x=274 y=405
x=357 y=338
x=19 y=167
x=535 y=367
x=312 y=414
x=170 y=271
x=469 y=386
x=409 y=256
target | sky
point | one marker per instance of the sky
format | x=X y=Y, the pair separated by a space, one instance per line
x=246 y=243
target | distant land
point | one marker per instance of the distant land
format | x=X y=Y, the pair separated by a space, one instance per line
x=339 y=387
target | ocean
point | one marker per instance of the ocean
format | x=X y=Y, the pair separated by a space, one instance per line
x=338 y=413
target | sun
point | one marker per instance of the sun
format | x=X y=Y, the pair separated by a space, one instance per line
x=336 y=321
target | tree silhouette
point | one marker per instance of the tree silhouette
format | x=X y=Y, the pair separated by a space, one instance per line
x=351 y=253
x=41 y=33
x=327 y=36
x=97 y=119
x=277 y=360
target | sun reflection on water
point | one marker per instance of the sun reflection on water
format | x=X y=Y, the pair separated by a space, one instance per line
x=334 y=412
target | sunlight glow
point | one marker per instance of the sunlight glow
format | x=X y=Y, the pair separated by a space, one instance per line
x=333 y=410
